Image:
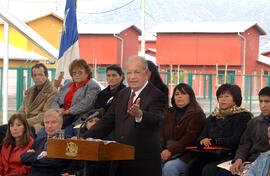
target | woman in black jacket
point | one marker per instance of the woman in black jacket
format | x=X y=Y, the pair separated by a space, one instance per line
x=223 y=128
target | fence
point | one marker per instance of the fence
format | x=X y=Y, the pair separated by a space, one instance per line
x=204 y=86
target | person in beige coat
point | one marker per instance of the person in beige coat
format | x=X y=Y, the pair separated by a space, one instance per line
x=38 y=98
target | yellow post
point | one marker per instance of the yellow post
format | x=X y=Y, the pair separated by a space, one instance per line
x=226 y=67
x=216 y=75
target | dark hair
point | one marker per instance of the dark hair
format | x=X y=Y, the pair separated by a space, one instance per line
x=82 y=64
x=265 y=91
x=116 y=68
x=234 y=90
x=26 y=132
x=185 y=89
x=155 y=78
x=40 y=65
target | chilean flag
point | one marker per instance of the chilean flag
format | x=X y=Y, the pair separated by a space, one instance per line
x=69 y=47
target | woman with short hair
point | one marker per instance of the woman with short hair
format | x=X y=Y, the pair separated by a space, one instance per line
x=75 y=99
x=223 y=128
x=18 y=139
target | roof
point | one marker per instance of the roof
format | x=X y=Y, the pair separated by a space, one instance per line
x=104 y=28
x=206 y=27
x=264 y=59
x=49 y=14
x=20 y=54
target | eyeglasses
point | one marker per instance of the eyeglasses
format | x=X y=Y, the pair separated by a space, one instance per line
x=77 y=73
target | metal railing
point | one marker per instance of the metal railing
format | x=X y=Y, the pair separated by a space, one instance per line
x=204 y=86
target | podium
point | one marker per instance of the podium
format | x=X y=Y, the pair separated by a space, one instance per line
x=89 y=150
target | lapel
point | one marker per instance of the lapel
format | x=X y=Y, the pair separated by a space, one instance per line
x=123 y=103
x=144 y=94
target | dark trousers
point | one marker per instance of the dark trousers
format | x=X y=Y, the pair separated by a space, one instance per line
x=203 y=167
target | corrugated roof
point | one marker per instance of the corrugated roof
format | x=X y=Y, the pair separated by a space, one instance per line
x=206 y=27
x=20 y=54
x=104 y=28
x=264 y=59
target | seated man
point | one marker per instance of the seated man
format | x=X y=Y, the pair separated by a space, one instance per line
x=254 y=140
x=36 y=155
x=261 y=166
x=38 y=98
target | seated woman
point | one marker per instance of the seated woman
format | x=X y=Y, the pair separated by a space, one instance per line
x=18 y=139
x=75 y=99
x=182 y=124
x=223 y=128
x=115 y=78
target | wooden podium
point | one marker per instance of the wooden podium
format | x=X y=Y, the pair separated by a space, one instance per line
x=88 y=150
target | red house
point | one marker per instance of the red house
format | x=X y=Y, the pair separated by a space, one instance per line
x=105 y=44
x=200 y=47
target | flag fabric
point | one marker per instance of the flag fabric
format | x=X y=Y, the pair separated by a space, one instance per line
x=69 y=46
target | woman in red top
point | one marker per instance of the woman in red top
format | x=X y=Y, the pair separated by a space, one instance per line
x=18 y=139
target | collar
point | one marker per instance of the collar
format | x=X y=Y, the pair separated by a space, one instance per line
x=140 y=90
x=267 y=119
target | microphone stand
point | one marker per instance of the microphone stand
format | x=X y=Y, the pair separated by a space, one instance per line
x=85 y=163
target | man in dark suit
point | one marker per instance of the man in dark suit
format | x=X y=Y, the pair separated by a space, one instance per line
x=135 y=116
x=36 y=155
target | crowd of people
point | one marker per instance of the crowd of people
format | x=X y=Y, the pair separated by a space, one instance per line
x=176 y=140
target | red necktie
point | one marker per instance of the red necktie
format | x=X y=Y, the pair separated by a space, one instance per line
x=130 y=101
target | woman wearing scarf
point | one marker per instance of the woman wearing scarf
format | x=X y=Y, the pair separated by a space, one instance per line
x=223 y=128
x=75 y=99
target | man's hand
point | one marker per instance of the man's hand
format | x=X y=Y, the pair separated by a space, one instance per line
x=237 y=166
x=206 y=142
x=135 y=109
x=30 y=150
x=61 y=110
x=165 y=155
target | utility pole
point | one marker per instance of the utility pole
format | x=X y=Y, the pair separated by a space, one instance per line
x=143 y=30
x=5 y=69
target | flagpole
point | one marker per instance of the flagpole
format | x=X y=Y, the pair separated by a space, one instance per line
x=5 y=70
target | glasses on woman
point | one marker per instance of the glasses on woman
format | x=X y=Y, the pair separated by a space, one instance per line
x=80 y=72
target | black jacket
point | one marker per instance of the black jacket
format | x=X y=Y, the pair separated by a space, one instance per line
x=225 y=132
x=106 y=96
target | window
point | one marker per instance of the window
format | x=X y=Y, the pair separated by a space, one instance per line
x=221 y=76
x=177 y=79
x=265 y=72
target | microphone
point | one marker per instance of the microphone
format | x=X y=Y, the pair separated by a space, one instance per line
x=99 y=112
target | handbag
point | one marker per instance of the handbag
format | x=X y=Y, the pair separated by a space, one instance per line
x=210 y=153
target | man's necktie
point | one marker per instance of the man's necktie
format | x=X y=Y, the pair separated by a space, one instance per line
x=130 y=101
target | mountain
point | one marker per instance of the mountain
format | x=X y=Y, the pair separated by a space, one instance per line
x=158 y=11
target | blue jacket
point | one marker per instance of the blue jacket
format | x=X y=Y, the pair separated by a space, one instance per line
x=261 y=165
x=44 y=166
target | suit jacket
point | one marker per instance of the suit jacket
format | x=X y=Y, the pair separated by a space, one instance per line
x=144 y=136
x=44 y=166
x=34 y=110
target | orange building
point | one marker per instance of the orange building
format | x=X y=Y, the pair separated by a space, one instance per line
x=202 y=47
x=105 y=44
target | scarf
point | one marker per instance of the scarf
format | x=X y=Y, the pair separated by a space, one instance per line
x=69 y=96
x=222 y=114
